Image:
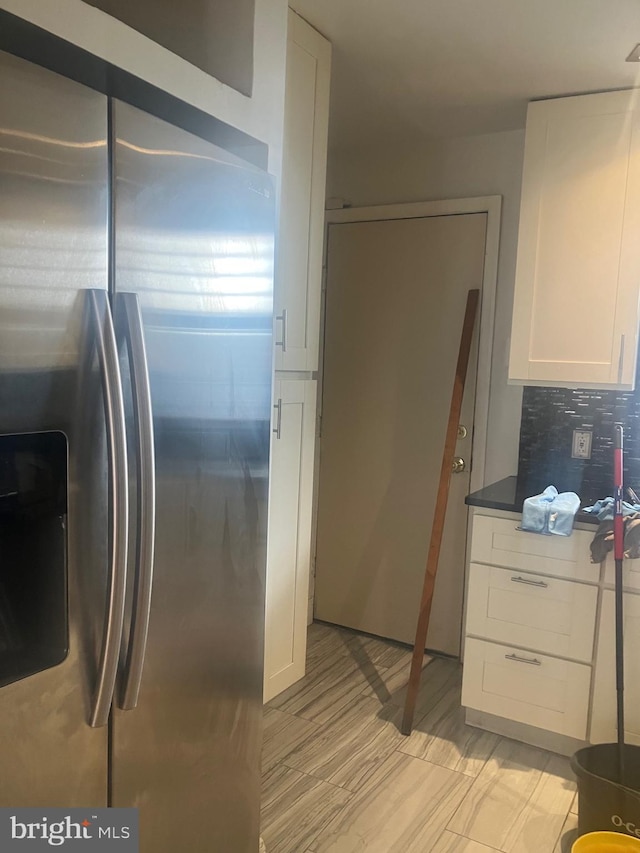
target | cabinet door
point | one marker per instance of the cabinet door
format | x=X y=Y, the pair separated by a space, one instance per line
x=575 y=316
x=630 y=573
x=289 y=537
x=603 y=715
x=299 y=258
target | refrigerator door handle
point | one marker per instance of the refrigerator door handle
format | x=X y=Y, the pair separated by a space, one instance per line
x=129 y=315
x=107 y=351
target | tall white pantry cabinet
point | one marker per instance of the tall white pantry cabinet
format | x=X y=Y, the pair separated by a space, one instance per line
x=296 y=334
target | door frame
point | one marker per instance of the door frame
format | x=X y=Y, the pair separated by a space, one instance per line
x=492 y=207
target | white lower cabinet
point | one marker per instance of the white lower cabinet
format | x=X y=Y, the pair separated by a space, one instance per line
x=603 y=717
x=630 y=573
x=527 y=687
x=289 y=533
x=531 y=628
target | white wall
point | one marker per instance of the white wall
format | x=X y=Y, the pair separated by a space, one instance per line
x=261 y=115
x=455 y=168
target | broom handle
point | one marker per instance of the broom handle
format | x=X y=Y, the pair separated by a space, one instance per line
x=618 y=550
x=618 y=523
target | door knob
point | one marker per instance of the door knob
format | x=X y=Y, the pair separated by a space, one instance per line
x=458 y=465
x=462 y=431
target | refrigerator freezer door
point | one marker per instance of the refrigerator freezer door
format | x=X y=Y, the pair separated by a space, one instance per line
x=194 y=240
x=53 y=246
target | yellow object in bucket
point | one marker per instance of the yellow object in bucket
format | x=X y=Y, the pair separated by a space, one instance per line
x=606 y=842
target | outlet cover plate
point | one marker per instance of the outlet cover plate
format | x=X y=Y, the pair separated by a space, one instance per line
x=581 y=445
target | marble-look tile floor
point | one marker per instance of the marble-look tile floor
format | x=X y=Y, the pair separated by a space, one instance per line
x=338 y=777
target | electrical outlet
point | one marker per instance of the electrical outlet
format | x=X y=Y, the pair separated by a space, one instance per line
x=581 y=446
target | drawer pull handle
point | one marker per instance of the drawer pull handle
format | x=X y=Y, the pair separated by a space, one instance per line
x=541 y=584
x=532 y=661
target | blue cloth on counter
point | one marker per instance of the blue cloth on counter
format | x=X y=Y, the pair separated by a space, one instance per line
x=603 y=509
x=535 y=511
x=550 y=512
x=562 y=512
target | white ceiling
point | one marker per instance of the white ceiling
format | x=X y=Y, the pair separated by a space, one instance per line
x=404 y=70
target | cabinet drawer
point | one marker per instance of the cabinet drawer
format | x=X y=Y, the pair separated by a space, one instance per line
x=553 y=616
x=498 y=541
x=527 y=687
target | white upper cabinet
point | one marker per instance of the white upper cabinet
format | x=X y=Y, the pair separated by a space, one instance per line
x=299 y=257
x=575 y=316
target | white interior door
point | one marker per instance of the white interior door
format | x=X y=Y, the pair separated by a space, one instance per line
x=396 y=294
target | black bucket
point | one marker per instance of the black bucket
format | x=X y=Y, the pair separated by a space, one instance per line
x=603 y=802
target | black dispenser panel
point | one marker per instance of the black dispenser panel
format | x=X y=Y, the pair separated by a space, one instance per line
x=33 y=565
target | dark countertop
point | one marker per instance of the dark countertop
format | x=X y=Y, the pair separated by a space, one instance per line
x=504 y=495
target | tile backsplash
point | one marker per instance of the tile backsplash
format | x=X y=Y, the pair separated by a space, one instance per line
x=549 y=417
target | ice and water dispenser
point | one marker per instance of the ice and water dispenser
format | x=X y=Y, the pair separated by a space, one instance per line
x=33 y=565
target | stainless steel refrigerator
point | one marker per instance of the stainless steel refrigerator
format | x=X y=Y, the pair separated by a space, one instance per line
x=136 y=267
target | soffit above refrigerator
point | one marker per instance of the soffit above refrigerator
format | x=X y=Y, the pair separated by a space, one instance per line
x=215 y=36
x=28 y=41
